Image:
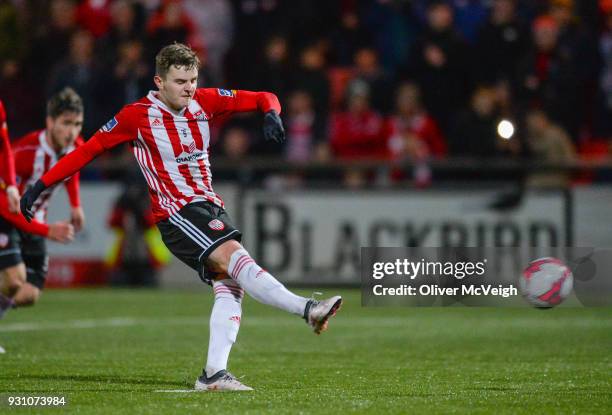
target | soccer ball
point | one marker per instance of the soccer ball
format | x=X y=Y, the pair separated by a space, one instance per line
x=546 y=282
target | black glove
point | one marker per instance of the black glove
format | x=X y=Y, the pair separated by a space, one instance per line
x=273 y=127
x=29 y=197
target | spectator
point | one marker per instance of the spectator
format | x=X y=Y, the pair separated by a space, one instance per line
x=130 y=78
x=233 y=147
x=368 y=70
x=125 y=25
x=469 y=17
x=502 y=42
x=439 y=65
x=550 y=78
x=347 y=38
x=273 y=74
x=603 y=118
x=22 y=104
x=391 y=29
x=312 y=78
x=358 y=132
x=548 y=142
x=506 y=109
x=50 y=44
x=303 y=129
x=214 y=28
x=255 y=22
x=413 y=133
x=81 y=72
x=577 y=47
x=236 y=143
x=170 y=23
x=94 y=16
x=475 y=131
x=12 y=41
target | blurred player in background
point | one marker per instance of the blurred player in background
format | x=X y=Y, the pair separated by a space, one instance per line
x=23 y=253
x=7 y=168
x=10 y=194
x=170 y=137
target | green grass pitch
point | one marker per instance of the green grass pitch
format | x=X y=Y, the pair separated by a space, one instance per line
x=110 y=351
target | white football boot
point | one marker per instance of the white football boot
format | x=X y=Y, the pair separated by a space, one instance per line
x=317 y=313
x=220 y=381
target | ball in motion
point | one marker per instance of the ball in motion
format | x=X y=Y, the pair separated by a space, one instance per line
x=546 y=282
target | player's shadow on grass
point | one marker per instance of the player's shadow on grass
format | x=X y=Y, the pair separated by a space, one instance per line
x=103 y=380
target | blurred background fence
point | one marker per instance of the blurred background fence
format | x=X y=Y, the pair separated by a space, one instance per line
x=308 y=228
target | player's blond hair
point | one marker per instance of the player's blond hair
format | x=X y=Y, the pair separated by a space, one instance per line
x=176 y=54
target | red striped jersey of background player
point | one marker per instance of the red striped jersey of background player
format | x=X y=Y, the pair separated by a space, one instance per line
x=34 y=156
x=172 y=149
x=7 y=164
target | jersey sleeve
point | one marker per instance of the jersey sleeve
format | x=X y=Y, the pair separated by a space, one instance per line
x=219 y=102
x=17 y=220
x=122 y=128
x=72 y=185
x=7 y=170
x=72 y=188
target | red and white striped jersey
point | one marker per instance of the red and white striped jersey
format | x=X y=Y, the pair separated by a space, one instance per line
x=172 y=149
x=33 y=158
x=7 y=165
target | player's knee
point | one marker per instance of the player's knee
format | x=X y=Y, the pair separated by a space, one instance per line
x=27 y=295
x=13 y=279
x=219 y=259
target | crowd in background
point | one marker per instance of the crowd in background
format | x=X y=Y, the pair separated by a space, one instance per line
x=388 y=79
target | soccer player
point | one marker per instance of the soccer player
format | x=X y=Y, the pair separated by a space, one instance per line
x=170 y=137
x=23 y=256
x=7 y=186
x=7 y=170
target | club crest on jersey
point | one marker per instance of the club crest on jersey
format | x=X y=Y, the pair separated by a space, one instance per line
x=108 y=127
x=227 y=92
x=200 y=116
x=189 y=148
x=216 y=225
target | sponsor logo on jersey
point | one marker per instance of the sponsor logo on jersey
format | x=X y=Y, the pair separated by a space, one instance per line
x=235 y=318
x=227 y=92
x=157 y=122
x=216 y=225
x=108 y=127
x=189 y=148
x=200 y=115
x=198 y=155
x=4 y=240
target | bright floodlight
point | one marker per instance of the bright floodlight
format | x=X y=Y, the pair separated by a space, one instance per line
x=505 y=129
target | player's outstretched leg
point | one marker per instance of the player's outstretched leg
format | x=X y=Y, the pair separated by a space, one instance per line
x=263 y=287
x=224 y=326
